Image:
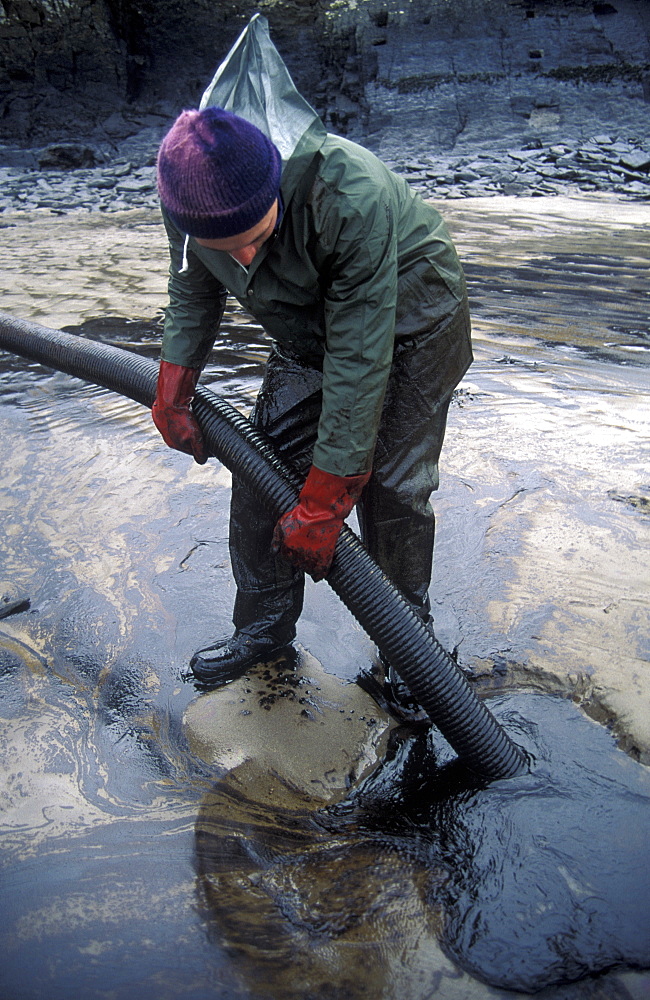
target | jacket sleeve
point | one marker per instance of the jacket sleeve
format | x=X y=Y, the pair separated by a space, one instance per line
x=196 y=303
x=357 y=248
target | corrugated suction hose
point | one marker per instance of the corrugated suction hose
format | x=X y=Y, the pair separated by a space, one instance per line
x=409 y=645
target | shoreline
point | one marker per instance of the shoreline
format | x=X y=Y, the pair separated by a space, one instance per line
x=604 y=163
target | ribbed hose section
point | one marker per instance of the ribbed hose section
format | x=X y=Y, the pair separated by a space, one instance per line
x=409 y=645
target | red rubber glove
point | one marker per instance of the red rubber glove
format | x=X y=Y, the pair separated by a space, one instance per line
x=307 y=533
x=171 y=410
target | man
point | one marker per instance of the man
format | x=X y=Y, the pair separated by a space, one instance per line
x=358 y=284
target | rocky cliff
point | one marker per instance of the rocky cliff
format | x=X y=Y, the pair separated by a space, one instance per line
x=447 y=75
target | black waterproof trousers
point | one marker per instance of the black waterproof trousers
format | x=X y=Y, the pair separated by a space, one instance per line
x=396 y=520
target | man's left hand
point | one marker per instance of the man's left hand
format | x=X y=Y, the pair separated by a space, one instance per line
x=307 y=534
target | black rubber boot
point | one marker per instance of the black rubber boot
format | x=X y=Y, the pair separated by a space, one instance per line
x=401 y=703
x=231 y=658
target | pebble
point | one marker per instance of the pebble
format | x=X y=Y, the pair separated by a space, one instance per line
x=602 y=163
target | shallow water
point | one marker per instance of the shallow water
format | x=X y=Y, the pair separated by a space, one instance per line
x=137 y=854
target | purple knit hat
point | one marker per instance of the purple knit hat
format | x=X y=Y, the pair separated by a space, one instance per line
x=218 y=175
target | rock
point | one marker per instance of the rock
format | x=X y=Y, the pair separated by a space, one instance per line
x=637 y=188
x=142 y=148
x=568 y=160
x=523 y=155
x=536 y=168
x=135 y=184
x=485 y=168
x=10 y=156
x=118 y=127
x=68 y=156
x=466 y=176
x=514 y=187
x=121 y=168
x=636 y=160
x=102 y=183
x=242 y=729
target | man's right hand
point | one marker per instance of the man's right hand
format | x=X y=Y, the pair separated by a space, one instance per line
x=171 y=410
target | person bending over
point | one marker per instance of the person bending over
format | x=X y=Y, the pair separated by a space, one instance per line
x=357 y=282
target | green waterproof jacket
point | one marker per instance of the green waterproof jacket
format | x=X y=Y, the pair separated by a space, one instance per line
x=358 y=261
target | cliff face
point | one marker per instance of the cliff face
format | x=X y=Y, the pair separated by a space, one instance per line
x=476 y=72
x=67 y=64
x=373 y=68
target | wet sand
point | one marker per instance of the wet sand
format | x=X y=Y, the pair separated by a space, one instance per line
x=541 y=583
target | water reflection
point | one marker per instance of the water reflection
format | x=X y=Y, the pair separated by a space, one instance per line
x=571 y=273
x=236 y=362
